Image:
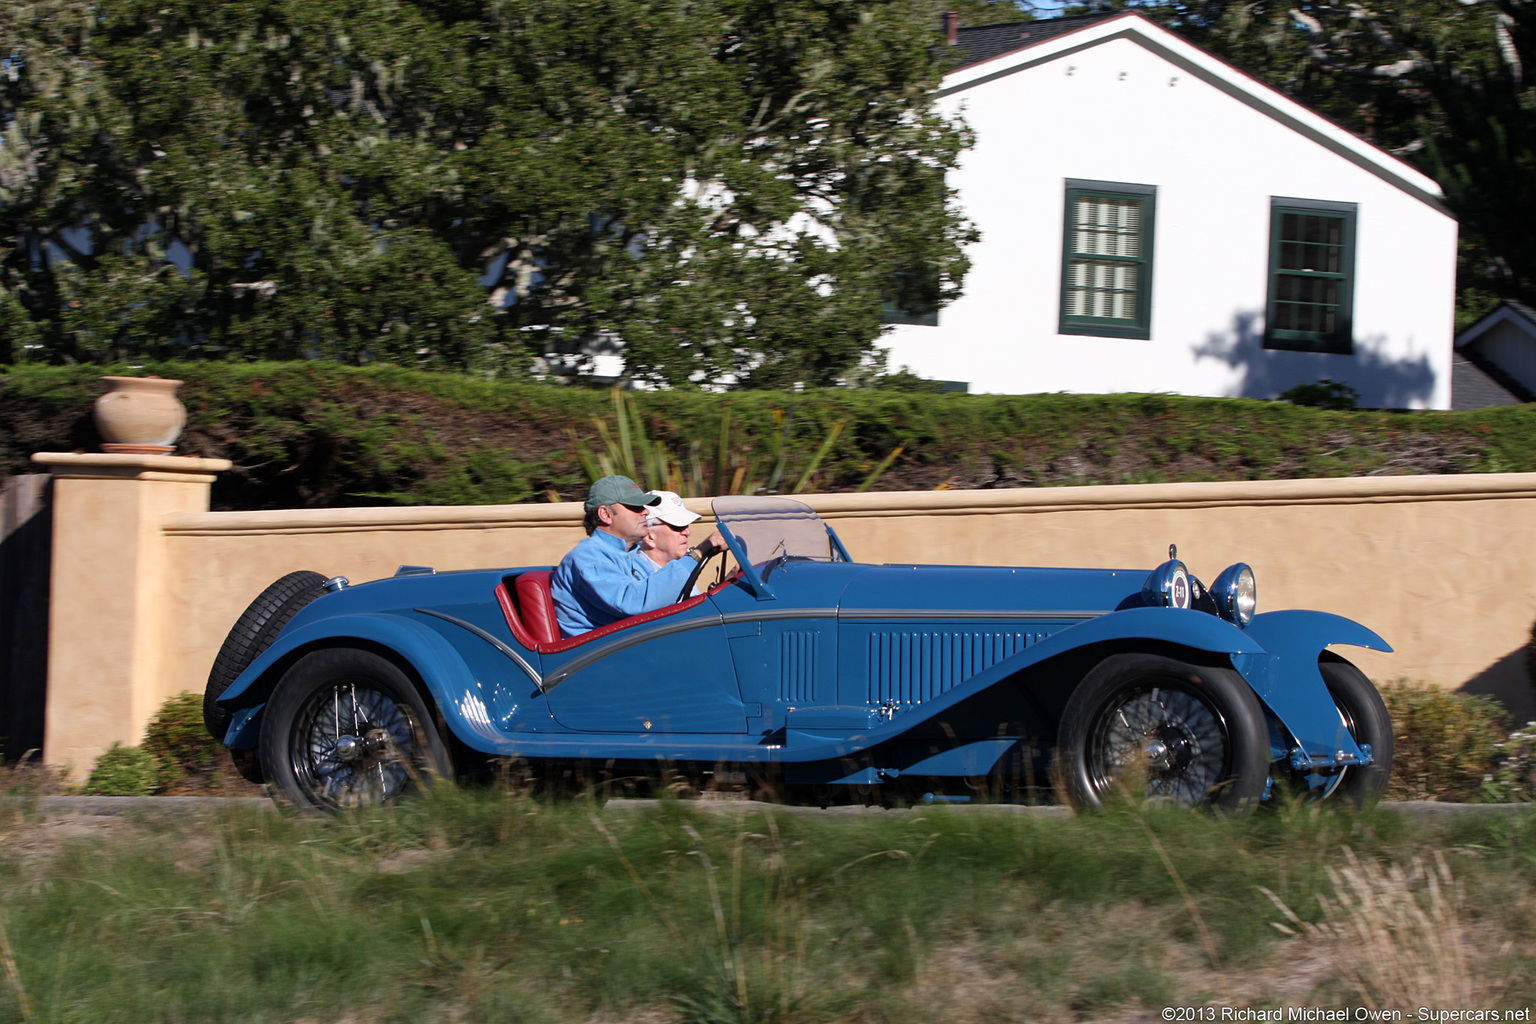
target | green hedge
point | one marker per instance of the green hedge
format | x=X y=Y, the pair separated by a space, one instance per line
x=309 y=435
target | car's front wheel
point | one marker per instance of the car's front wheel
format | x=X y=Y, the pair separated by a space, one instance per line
x=346 y=728
x=1145 y=726
x=1364 y=714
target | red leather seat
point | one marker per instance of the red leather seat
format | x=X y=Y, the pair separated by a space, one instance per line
x=531 y=615
x=536 y=608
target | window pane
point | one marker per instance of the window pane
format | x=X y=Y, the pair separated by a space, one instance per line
x=1102 y=289
x=1107 y=227
x=1306 y=304
x=1311 y=242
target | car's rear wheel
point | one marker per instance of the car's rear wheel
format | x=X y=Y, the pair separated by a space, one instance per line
x=1149 y=727
x=346 y=728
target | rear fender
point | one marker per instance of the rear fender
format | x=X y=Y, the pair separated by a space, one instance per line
x=448 y=679
x=1287 y=679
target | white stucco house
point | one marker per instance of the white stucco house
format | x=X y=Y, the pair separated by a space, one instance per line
x=1154 y=220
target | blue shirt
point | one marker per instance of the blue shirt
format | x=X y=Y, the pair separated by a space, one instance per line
x=598 y=583
x=648 y=563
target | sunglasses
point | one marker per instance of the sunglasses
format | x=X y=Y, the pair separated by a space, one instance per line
x=635 y=508
x=676 y=529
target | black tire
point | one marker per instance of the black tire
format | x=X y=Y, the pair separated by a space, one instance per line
x=1365 y=716
x=1153 y=727
x=252 y=633
x=346 y=728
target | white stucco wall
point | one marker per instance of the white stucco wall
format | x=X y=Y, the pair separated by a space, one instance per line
x=1119 y=112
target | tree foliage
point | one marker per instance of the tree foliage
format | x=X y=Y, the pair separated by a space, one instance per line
x=982 y=12
x=1446 y=84
x=1484 y=156
x=729 y=188
x=1270 y=41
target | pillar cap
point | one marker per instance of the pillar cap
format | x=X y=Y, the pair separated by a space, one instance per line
x=183 y=468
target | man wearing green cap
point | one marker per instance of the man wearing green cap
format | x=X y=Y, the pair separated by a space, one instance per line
x=598 y=583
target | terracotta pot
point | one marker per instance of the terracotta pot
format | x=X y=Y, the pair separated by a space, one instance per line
x=140 y=415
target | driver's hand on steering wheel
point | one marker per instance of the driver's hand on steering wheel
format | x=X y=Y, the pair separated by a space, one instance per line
x=710 y=546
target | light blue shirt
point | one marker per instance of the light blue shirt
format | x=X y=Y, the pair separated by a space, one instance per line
x=600 y=582
x=649 y=565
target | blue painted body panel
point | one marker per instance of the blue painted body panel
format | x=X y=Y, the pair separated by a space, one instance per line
x=832 y=670
x=1287 y=680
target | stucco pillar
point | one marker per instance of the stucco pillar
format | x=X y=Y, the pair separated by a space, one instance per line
x=108 y=625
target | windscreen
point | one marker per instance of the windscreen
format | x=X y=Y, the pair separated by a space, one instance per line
x=770 y=528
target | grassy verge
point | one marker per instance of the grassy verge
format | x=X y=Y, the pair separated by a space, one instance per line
x=304 y=435
x=484 y=905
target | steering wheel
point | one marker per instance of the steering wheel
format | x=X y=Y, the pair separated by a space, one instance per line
x=693 y=577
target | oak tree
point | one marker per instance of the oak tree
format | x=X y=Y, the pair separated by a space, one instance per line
x=721 y=190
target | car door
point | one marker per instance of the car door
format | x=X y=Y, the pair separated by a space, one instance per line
x=663 y=672
x=784 y=639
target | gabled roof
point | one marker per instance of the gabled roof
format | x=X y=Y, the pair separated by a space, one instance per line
x=994 y=52
x=983 y=42
x=1478 y=384
x=1517 y=314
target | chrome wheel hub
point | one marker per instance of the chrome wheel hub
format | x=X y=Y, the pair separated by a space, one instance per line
x=1171 y=751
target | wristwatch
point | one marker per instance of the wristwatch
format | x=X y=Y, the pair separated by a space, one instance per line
x=696 y=555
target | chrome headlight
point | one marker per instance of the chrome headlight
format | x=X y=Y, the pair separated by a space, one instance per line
x=1236 y=593
x=1168 y=586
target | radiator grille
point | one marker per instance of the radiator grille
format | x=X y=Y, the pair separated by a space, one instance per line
x=797 y=666
x=911 y=667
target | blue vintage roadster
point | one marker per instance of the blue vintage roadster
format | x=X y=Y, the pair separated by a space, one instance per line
x=804 y=670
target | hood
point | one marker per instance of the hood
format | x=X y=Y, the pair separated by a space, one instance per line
x=987 y=588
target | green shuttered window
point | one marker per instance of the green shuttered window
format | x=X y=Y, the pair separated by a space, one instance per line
x=1311 y=276
x=1106 y=278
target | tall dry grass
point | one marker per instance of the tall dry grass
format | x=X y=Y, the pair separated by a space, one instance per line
x=1399 y=933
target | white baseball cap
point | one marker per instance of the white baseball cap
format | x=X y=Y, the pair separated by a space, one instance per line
x=670 y=509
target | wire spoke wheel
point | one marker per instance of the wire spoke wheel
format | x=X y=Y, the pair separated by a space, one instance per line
x=352 y=746
x=1147 y=727
x=347 y=729
x=1165 y=744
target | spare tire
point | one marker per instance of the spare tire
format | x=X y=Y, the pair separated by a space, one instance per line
x=252 y=633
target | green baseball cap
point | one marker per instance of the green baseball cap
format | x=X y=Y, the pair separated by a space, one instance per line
x=618 y=490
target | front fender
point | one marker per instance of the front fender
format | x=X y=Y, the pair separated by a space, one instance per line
x=1192 y=629
x=1287 y=679
x=448 y=679
x=1180 y=626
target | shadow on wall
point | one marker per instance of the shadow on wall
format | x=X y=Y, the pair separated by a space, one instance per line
x=1266 y=373
x=1507 y=682
x=26 y=552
